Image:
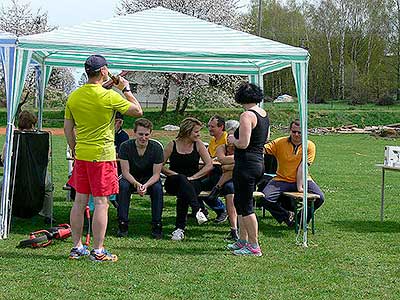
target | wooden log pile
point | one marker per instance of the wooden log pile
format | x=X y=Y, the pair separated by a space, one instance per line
x=391 y=130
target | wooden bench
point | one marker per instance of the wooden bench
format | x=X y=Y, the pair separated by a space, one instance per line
x=297 y=199
x=256 y=196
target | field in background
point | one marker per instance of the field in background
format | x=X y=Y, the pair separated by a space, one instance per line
x=319 y=115
x=352 y=256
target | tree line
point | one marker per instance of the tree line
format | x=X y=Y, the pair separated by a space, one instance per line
x=354 y=46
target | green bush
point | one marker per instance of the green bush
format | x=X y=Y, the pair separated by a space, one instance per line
x=319 y=115
x=385 y=100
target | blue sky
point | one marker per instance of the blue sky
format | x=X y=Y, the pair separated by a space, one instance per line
x=73 y=12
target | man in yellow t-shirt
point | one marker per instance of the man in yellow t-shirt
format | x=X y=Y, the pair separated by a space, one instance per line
x=288 y=153
x=89 y=129
x=216 y=128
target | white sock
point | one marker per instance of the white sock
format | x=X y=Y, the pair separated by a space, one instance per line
x=98 y=251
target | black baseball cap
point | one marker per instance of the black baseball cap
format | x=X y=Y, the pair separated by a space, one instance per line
x=94 y=63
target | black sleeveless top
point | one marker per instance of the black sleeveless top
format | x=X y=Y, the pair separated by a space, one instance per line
x=258 y=136
x=186 y=164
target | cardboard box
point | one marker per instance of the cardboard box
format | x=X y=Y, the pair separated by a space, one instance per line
x=392 y=156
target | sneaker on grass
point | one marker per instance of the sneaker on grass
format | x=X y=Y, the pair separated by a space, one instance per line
x=104 y=255
x=290 y=219
x=221 y=217
x=201 y=218
x=232 y=235
x=122 y=229
x=236 y=245
x=178 y=234
x=248 y=250
x=78 y=253
x=156 y=231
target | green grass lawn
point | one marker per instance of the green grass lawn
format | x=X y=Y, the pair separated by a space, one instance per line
x=352 y=255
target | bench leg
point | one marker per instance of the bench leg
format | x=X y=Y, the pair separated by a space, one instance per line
x=312 y=218
x=296 y=213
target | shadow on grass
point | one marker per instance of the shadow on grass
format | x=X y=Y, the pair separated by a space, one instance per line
x=20 y=254
x=362 y=226
x=25 y=226
x=178 y=249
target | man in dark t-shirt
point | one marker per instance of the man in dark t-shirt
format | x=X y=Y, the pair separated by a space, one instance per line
x=141 y=162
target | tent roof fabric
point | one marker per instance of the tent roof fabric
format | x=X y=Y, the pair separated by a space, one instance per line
x=7 y=39
x=160 y=39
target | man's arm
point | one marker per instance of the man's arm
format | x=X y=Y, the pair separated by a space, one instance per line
x=152 y=180
x=310 y=152
x=206 y=158
x=299 y=177
x=222 y=158
x=69 y=125
x=247 y=120
x=127 y=175
x=167 y=154
x=310 y=158
x=134 y=110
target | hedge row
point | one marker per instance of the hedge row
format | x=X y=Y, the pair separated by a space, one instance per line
x=279 y=116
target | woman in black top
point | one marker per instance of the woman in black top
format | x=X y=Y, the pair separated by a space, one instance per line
x=183 y=175
x=249 y=140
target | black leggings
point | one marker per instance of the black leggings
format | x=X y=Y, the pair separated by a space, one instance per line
x=186 y=194
x=247 y=172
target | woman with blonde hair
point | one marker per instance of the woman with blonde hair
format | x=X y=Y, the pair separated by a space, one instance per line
x=184 y=174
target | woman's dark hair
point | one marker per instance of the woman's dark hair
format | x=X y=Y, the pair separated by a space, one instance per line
x=249 y=93
x=26 y=120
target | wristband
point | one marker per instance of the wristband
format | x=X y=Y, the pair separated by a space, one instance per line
x=125 y=89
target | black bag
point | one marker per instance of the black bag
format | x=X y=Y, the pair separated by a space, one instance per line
x=28 y=165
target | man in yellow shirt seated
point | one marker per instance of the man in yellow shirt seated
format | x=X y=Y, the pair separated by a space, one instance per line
x=216 y=128
x=288 y=153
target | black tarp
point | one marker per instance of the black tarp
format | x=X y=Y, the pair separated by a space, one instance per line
x=29 y=164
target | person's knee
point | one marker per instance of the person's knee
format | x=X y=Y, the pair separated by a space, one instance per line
x=228 y=188
x=157 y=188
x=319 y=202
x=81 y=201
x=101 y=202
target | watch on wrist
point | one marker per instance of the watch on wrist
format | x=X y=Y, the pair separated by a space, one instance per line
x=125 y=89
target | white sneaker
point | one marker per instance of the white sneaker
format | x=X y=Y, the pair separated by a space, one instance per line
x=201 y=218
x=178 y=235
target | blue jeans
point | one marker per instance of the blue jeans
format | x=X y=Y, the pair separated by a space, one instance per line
x=279 y=207
x=124 y=197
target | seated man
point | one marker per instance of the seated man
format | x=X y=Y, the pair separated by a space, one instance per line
x=289 y=178
x=141 y=162
x=216 y=127
x=120 y=134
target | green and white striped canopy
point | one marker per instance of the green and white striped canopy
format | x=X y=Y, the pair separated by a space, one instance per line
x=163 y=40
x=158 y=40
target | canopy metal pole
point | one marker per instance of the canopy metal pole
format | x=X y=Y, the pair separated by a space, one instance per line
x=41 y=86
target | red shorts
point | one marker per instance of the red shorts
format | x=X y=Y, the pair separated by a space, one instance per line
x=96 y=178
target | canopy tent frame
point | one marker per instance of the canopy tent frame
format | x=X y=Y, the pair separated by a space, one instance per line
x=156 y=40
